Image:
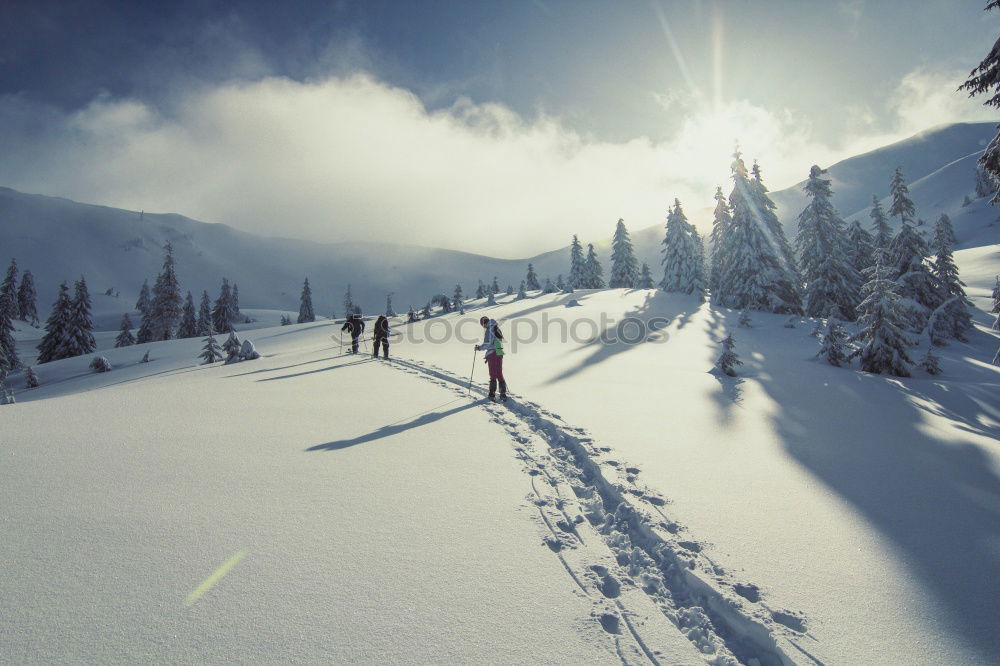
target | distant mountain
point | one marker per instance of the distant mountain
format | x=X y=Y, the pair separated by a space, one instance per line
x=60 y=239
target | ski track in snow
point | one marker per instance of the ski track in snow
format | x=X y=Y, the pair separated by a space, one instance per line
x=610 y=533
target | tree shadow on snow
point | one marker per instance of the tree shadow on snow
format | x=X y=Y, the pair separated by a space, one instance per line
x=312 y=372
x=626 y=335
x=390 y=430
x=935 y=498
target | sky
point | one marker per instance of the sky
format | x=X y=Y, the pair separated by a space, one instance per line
x=492 y=127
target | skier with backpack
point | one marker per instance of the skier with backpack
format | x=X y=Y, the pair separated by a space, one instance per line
x=493 y=346
x=381 y=337
x=356 y=326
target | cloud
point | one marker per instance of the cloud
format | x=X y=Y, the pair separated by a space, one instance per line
x=353 y=158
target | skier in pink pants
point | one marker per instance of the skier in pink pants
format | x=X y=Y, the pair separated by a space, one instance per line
x=493 y=346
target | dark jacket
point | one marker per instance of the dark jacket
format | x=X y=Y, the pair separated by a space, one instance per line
x=381 y=327
x=355 y=325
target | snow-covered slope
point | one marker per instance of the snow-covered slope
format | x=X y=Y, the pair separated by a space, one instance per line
x=626 y=506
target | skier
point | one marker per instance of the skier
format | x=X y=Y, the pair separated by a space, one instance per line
x=356 y=326
x=381 y=337
x=493 y=346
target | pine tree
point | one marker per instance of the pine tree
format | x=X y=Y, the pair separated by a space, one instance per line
x=531 y=282
x=985 y=79
x=456 y=298
x=833 y=346
x=645 y=278
x=577 y=270
x=881 y=231
x=624 y=267
x=883 y=343
x=231 y=346
x=411 y=316
x=919 y=289
x=166 y=304
x=764 y=209
x=81 y=336
x=54 y=344
x=510 y=290
x=125 y=337
x=204 y=315
x=593 y=273
x=952 y=318
x=860 y=247
x=189 y=321
x=145 y=332
x=306 y=313
x=27 y=299
x=728 y=360
x=8 y=292
x=832 y=283
x=549 y=288
x=236 y=302
x=756 y=276
x=902 y=206
x=389 y=312
x=520 y=292
x=701 y=272
x=481 y=290
x=944 y=233
x=560 y=283
x=986 y=184
x=491 y=298
x=222 y=312
x=996 y=295
x=100 y=364
x=211 y=352
x=426 y=312
x=143 y=305
x=721 y=226
x=30 y=378
x=680 y=254
x=745 y=320
x=495 y=288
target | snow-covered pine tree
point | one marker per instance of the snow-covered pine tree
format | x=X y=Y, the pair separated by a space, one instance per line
x=237 y=315
x=306 y=312
x=411 y=316
x=756 y=276
x=145 y=357
x=491 y=298
x=8 y=349
x=510 y=290
x=996 y=357
x=232 y=346
x=624 y=267
x=560 y=283
x=456 y=298
x=350 y=307
x=996 y=295
x=985 y=78
x=728 y=360
x=930 y=362
x=285 y=320
x=145 y=332
x=745 y=320
x=100 y=364
x=577 y=266
x=817 y=331
x=881 y=231
x=27 y=299
x=495 y=288
x=426 y=312
x=204 y=315
x=860 y=247
x=389 y=312
x=701 y=269
x=680 y=253
x=944 y=233
x=211 y=352
x=833 y=345
x=222 y=310
x=593 y=273
x=30 y=377
x=81 y=335
x=917 y=287
x=8 y=292
x=765 y=209
x=883 y=342
x=549 y=288
x=966 y=201
x=144 y=303
x=166 y=304
x=832 y=283
x=125 y=337
x=54 y=343
x=951 y=319
x=721 y=223
x=986 y=184
x=521 y=295
x=531 y=281
x=645 y=280
x=481 y=290
x=188 y=327
x=902 y=206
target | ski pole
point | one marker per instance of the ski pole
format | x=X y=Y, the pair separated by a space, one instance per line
x=473 y=371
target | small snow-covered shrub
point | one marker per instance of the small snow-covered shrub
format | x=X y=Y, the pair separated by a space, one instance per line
x=30 y=378
x=145 y=357
x=745 y=320
x=248 y=352
x=100 y=364
x=728 y=360
x=930 y=362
